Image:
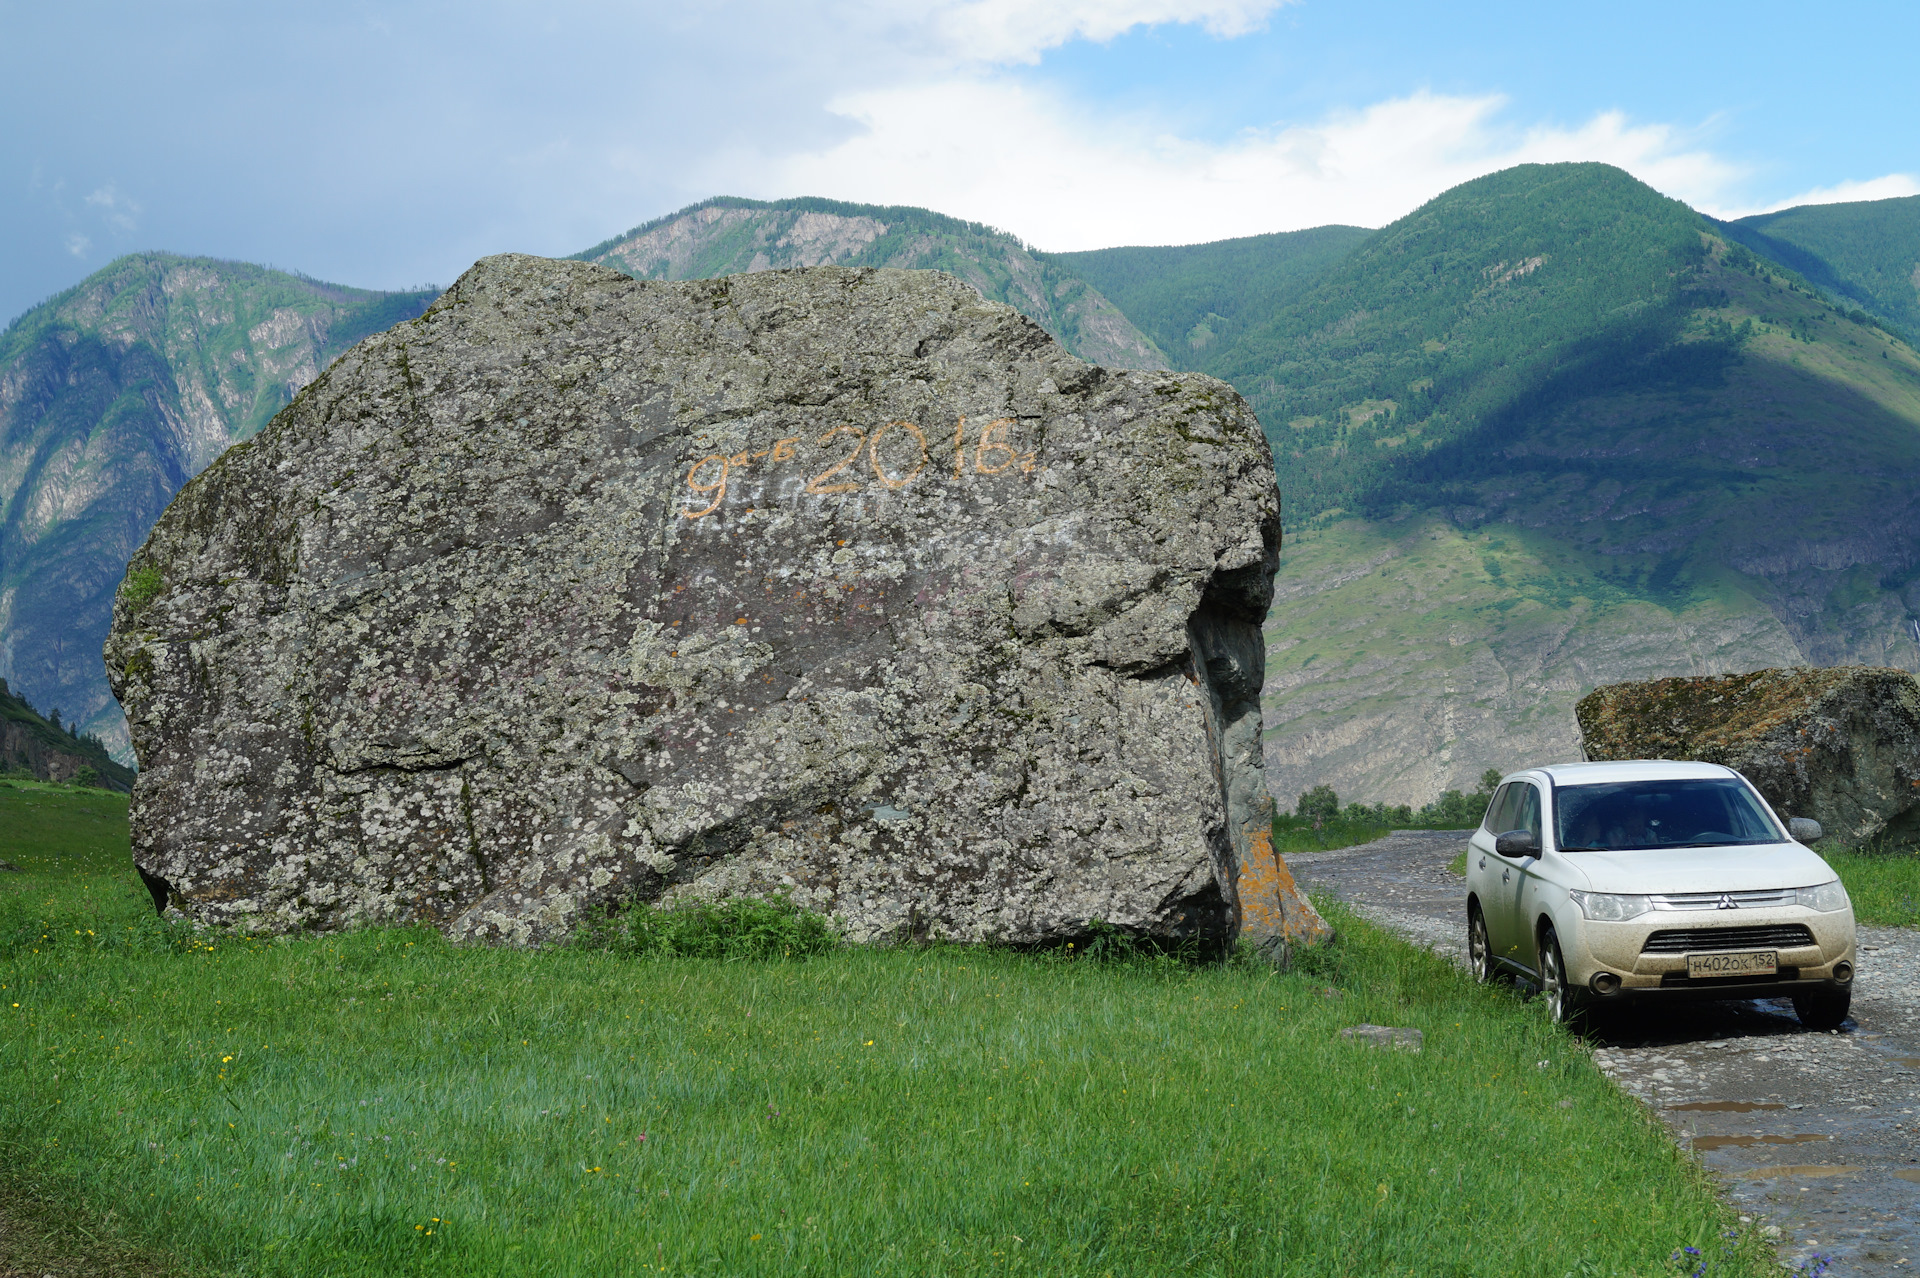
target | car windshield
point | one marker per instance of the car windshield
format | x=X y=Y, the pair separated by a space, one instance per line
x=1628 y=815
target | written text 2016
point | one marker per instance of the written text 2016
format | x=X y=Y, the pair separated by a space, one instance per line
x=907 y=457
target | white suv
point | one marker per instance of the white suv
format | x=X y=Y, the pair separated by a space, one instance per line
x=1605 y=881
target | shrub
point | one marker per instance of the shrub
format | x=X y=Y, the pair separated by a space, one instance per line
x=1320 y=802
x=742 y=928
x=143 y=586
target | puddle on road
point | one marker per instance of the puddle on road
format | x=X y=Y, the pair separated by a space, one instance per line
x=1726 y=1107
x=1797 y=1169
x=1721 y=1142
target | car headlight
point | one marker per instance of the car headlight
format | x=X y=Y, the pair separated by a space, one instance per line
x=1610 y=907
x=1827 y=898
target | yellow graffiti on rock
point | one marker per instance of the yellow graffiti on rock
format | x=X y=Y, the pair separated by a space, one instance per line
x=907 y=457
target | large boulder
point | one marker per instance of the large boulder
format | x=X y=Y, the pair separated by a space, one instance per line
x=1840 y=745
x=844 y=583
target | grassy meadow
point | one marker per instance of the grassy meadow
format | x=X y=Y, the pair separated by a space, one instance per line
x=1884 y=883
x=383 y=1103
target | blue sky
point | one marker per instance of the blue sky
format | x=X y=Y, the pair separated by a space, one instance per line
x=391 y=144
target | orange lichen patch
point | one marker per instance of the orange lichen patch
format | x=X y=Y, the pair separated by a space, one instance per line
x=1271 y=904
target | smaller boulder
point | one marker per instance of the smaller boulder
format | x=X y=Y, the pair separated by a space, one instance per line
x=1397 y=1037
x=1840 y=745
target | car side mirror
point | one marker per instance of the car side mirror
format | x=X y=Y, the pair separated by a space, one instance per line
x=1804 y=829
x=1517 y=843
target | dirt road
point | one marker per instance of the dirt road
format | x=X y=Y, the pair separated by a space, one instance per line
x=1815 y=1134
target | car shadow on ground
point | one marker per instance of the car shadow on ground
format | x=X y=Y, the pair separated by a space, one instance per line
x=1652 y=1023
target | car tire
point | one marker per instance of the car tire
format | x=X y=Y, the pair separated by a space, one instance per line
x=1563 y=1000
x=1823 y=1009
x=1479 y=946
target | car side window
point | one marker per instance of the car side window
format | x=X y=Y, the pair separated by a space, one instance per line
x=1526 y=814
x=1497 y=810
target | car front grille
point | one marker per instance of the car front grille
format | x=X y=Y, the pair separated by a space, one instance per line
x=1689 y=940
x=1769 y=899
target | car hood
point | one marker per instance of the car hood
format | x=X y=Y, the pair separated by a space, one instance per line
x=1754 y=867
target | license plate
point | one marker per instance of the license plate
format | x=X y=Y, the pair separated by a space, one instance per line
x=1752 y=963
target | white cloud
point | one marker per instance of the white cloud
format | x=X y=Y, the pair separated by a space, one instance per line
x=1007 y=31
x=1890 y=187
x=118 y=211
x=1003 y=152
x=77 y=244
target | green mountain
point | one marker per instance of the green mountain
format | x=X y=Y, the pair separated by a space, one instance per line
x=1864 y=254
x=112 y=395
x=1550 y=430
x=726 y=236
x=1195 y=299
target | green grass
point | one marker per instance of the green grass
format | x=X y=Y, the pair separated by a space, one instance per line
x=1296 y=833
x=1884 y=885
x=317 y=1105
x=68 y=836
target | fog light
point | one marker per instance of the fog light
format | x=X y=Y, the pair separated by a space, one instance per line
x=1604 y=983
x=1843 y=973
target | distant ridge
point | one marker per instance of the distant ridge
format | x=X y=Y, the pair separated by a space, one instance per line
x=906 y=216
x=1863 y=254
x=727 y=235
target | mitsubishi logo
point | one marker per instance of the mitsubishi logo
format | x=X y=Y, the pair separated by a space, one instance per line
x=1727 y=903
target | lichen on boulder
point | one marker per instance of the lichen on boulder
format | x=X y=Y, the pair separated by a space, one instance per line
x=844 y=584
x=1840 y=745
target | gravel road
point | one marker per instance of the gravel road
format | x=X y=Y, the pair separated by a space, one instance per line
x=1814 y=1134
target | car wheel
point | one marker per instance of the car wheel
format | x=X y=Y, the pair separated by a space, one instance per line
x=1479 y=948
x=1822 y=1009
x=1563 y=1001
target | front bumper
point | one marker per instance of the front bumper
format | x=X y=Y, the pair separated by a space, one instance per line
x=1622 y=949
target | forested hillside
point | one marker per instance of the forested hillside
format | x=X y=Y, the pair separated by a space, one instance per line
x=113 y=395
x=41 y=746
x=1195 y=299
x=1864 y=254
x=724 y=236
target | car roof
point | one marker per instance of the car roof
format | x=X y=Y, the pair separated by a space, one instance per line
x=1633 y=770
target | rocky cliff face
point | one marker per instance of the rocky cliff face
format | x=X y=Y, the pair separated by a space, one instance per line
x=837 y=582
x=726 y=236
x=1407 y=658
x=112 y=396
x=1841 y=746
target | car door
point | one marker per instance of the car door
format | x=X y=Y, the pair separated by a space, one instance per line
x=1529 y=878
x=1507 y=880
x=1483 y=867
